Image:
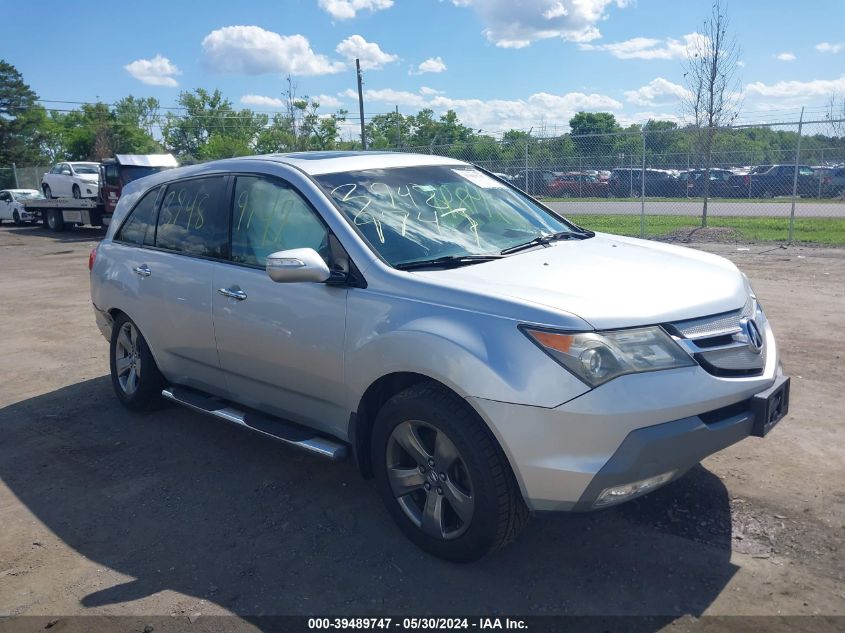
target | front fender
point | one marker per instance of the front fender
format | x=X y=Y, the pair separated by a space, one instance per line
x=475 y=355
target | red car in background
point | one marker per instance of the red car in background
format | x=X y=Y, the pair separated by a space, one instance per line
x=578 y=185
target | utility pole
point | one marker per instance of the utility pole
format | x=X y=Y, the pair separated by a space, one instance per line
x=399 y=130
x=642 y=187
x=795 y=177
x=361 y=104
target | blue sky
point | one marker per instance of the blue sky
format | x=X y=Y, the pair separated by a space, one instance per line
x=499 y=63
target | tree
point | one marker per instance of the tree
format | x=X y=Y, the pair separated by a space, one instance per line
x=23 y=122
x=713 y=99
x=592 y=133
x=836 y=115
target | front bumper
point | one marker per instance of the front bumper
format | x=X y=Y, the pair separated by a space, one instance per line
x=633 y=428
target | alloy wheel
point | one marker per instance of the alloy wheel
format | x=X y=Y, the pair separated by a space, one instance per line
x=429 y=479
x=127 y=358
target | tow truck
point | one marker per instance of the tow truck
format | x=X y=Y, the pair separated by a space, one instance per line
x=57 y=214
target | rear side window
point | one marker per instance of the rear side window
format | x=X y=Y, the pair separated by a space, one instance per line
x=193 y=220
x=269 y=216
x=139 y=229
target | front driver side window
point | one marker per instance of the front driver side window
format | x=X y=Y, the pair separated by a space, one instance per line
x=269 y=216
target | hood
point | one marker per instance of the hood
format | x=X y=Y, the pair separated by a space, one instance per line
x=92 y=178
x=609 y=281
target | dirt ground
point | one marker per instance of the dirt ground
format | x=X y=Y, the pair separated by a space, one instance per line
x=107 y=512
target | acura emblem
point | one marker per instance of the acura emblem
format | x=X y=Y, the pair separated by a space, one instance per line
x=752 y=334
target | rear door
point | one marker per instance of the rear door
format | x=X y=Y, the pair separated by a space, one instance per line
x=280 y=344
x=167 y=274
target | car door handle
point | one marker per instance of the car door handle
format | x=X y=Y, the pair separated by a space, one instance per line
x=143 y=270
x=233 y=293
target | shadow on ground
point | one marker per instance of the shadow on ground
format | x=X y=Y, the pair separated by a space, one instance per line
x=183 y=502
x=69 y=235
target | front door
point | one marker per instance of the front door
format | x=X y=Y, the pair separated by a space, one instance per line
x=280 y=344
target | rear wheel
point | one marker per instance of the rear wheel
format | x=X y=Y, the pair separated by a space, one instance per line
x=442 y=475
x=54 y=220
x=135 y=377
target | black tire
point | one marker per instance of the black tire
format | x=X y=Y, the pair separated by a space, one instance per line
x=147 y=394
x=76 y=192
x=499 y=512
x=16 y=219
x=54 y=220
x=48 y=193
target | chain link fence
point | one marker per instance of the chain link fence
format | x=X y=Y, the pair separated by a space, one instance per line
x=22 y=177
x=779 y=182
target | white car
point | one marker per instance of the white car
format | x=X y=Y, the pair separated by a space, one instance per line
x=80 y=180
x=11 y=205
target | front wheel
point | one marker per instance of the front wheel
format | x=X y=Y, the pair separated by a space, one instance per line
x=48 y=193
x=135 y=377
x=443 y=476
x=16 y=218
x=76 y=192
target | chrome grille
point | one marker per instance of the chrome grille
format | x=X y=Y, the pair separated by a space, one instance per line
x=718 y=325
x=720 y=344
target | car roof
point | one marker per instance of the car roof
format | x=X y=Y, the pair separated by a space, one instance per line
x=328 y=162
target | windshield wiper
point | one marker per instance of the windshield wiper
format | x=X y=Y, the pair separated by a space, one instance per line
x=546 y=239
x=447 y=261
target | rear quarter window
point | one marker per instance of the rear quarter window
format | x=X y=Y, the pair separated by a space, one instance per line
x=139 y=227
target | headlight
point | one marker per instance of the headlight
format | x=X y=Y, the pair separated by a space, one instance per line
x=596 y=357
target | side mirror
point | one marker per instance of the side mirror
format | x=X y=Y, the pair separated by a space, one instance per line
x=298 y=264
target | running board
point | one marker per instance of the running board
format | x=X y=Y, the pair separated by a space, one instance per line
x=287 y=432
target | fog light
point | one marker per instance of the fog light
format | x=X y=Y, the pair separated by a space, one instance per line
x=617 y=494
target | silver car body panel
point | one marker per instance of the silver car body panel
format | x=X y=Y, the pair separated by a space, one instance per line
x=310 y=351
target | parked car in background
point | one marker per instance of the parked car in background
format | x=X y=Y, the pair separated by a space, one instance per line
x=577 y=185
x=768 y=181
x=834 y=185
x=11 y=205
x=504 y=362
x=691 y=183
x=535 y=182
x=625 y=182
x=79 y=180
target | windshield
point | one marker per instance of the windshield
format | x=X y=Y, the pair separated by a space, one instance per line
x=411 y=214
x=85 y=169
x=26 y=195
x=128 y=174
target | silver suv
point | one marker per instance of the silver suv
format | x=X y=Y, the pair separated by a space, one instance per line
x=479 y=355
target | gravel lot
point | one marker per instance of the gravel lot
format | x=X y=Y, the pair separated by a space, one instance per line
x=172 y=513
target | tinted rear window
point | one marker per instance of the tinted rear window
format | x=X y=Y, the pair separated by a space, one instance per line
x=140 y=227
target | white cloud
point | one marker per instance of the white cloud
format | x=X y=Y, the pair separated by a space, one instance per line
x=497 y=114
x=827 y=47
x=431 y=65
x=511 y=24
x=252 y=50
x=158 y=71
x=325 y=101
x=425 y=90
x=348 y=9
x=651 y=93
x=389 y=96
x=797 y=89
x=262 y=101
x=647 y=47
x=740 y=64
x=371 y=56
x=785 y=57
